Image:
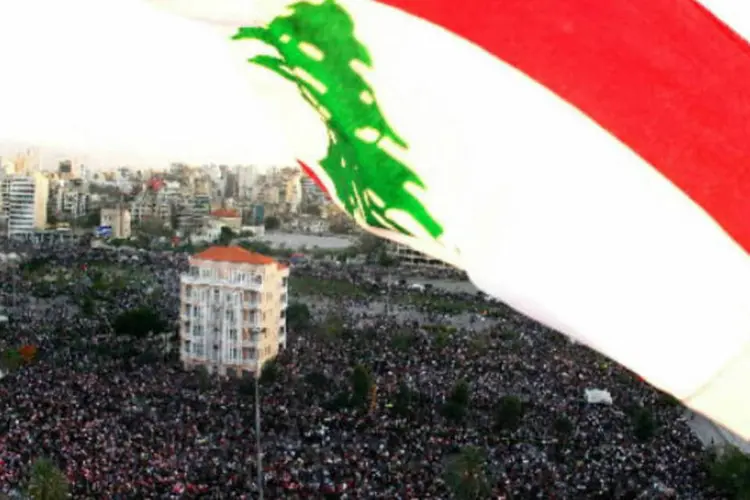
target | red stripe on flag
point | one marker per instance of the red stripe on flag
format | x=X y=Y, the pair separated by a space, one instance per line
x=664 y=76
x=314 y=177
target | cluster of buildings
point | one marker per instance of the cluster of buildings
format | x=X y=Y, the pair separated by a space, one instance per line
x=187 y=202
x=183 y=201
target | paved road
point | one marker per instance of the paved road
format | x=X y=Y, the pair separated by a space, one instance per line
x=713 y=434
x=320 y=306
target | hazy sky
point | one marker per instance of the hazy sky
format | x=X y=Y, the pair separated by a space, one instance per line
x=127 y=83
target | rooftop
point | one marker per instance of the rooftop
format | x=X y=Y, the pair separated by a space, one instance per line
x=235 y=254
x=223 y=212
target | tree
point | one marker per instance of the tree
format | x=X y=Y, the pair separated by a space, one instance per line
x=89 y=220
x=272 y=223
x=298 y=317
x=644 y=424
x=508 y=413
x=227 y=236
x=47 y=482
x=403 y=400
x=139 y=322
x=313 y=210
x=340 y=227
x=258 y=247
x=332 y=327
x=369 y=244
x=317 y=380
x=466 y=474
x=458 y=401
x=729 y=471
x=563 y=427
x=361 y=381
x=270 y=372
x=154 y=227
x=10 y=360
x=403 y=340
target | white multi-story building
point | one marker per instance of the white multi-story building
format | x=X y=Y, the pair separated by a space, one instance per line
x=118 y=219
x=233 y=310
x=24 y=202
x=247 y=175
x=413 y=258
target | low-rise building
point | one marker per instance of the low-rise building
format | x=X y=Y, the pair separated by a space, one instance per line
x=228 y=218
x=412 y=258
x=118 y=219
x=232 y=310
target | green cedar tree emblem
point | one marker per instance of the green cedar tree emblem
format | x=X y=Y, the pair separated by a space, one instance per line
x=317 y=40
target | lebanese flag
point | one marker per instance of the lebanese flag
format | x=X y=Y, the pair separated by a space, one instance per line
x=585 y=161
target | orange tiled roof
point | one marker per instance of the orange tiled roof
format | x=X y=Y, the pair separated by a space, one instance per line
x=223 y=212
x=234 y=254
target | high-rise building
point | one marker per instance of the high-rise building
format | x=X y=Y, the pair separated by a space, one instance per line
x=24 y=201
x=247 y=176
x=233 y=310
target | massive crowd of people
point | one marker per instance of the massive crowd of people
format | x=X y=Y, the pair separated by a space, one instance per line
x=123 y=420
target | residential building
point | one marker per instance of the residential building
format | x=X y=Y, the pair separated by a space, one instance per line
x=70 y=169
x=253 y=215
x=311 y=192
x=208 y=232
x=118 y=219
x=247 y=175
x=24 y=202
x=76 y=203
x=408 y=257
x=232 y=310
x=229 y=218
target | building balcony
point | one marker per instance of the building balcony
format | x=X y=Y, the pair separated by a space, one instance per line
x=199 y=280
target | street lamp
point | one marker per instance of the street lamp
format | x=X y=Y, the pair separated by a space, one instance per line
x=259 y=453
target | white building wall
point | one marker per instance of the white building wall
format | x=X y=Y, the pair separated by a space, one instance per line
x=25 y=203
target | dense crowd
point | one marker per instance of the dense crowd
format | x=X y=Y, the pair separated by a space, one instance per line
x=123 y=420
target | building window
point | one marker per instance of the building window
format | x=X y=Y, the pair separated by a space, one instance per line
x=206 y=273
x=198 y=350
x=232 y=334
x=194 y=271
x=217 y=295
x=248 y=354
x=197 y=330
x=234 y=354
x=188 y=291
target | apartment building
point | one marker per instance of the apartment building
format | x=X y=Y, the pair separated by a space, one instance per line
x=24 y=203
x=412 y=258
x=232 y=310
x=229 y=218
x=118 y=219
